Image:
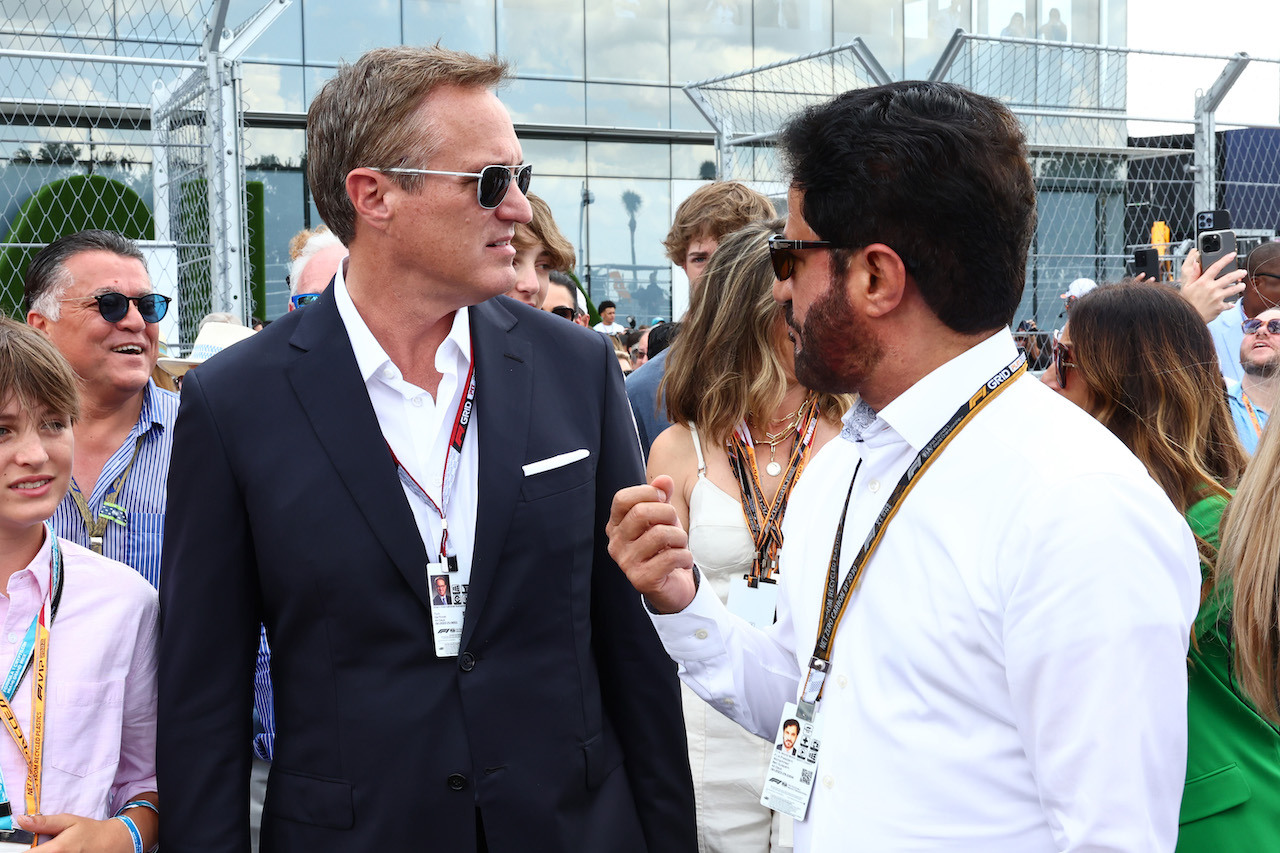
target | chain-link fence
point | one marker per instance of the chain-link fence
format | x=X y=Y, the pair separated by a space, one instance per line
x=127 y=116
x=1125 y=145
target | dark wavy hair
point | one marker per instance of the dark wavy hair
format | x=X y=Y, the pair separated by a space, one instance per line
x=935 y=172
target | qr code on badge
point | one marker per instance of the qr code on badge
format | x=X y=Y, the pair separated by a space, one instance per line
x=806 y=776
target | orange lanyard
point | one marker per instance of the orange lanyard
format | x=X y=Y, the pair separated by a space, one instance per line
x=1253 y=415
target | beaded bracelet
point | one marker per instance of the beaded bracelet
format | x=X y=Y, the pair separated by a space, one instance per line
x=133 y=831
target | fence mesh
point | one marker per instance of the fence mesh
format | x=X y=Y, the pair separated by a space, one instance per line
x=109 y=118
x=1111 y=135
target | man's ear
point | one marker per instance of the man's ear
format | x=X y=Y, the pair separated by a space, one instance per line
x=884 y=278
x=39 y=322
x=368 y=191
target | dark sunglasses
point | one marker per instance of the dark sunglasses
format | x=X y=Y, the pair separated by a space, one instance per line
x=782 y=253
x=563 y=311
x=300 y=299
x=115 y=306
x=1061 y=356
x=493 y=183
x=1255 y=325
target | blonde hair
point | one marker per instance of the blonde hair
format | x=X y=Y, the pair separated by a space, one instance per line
x=711 y=212
x=1249 y=566
x=364 y=116
x=542 y=229
x=33 y=371
x=724 y=365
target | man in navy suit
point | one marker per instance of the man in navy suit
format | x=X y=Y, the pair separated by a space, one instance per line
x=412 y=423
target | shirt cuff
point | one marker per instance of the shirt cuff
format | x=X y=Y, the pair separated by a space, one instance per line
x=695 y=633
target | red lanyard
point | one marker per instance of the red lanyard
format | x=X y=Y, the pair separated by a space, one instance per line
x=452 y=461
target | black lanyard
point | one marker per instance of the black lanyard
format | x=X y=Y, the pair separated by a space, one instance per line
x=836 y=596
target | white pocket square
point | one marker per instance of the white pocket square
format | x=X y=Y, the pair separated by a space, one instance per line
x=558 y=461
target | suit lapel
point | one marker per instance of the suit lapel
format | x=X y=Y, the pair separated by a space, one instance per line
x=333 y=397
x=504 y=409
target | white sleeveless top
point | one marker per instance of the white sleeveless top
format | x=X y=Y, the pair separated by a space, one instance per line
x=728 y=762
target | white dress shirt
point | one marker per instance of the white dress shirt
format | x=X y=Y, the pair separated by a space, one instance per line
x=417 y=426
x=1010 y=674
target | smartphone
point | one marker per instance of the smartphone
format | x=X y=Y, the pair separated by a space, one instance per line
x=1212 y=220
x=1213 y=245
x=1147 y=262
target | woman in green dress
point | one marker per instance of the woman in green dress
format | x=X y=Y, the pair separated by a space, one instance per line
x=1139 y=359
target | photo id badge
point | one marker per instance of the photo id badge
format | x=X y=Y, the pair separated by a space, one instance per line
x=793 y=765
x=448 y=606
x=756 y=604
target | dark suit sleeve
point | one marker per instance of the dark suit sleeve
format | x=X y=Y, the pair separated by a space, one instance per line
x=210 y=617
x=637 y=678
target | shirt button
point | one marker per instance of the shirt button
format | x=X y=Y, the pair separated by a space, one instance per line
x=417 y=401
x=728 y=703
x=456 y=782
x=842 y=681
x=13 y=638
x=388 y=372
x=701 y=634
x=874 y=485
x=829 y=781
x=467 y=662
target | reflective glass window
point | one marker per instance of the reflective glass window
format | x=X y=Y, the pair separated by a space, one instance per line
x=627 y=40
x=684 y=115
x=282 y=40
x=564 y=196
x=554 y=157
x=544 y=101
x=272 y=88
x=314 y=79
x=709 y=38
x=542 y=36
x=466 y=25
x=615 y=105
x=787 y=28
x=879 y=23
x=629 y=219
x=335 y=31
x=628 y=159
x=693 y=162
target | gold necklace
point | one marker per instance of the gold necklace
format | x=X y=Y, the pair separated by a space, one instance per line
x=773 y=439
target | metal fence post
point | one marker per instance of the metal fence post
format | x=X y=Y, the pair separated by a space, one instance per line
x=1206 y=142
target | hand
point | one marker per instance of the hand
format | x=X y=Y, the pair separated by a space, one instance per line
x=1204 y=290
x=649 y=545
x=75 y=834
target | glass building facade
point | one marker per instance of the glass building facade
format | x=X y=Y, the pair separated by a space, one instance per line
x=596 y=98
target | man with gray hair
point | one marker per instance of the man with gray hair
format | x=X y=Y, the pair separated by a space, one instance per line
x=90 y=293
x=412 y=423
x=314 y=257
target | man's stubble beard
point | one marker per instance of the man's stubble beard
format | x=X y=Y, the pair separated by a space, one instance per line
x=837 y=351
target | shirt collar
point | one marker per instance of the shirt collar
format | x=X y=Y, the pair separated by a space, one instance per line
x=151 y=417
x=39 y=565
x=371 y=357
x=919 y=412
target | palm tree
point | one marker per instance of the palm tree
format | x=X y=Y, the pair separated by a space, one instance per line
x=631 y=200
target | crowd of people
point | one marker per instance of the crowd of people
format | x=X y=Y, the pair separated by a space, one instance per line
x=421 y=563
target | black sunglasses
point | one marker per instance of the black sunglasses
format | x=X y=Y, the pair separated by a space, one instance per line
x=1255 y=325
x=114 y=306
x=492 y=185
x=563 y=311
x=1061 y=354
x=782 y=253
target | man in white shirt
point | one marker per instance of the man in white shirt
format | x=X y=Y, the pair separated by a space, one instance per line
x=606 y=325
x=1000 y=681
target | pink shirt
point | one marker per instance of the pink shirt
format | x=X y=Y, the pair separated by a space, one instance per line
x=100 y=717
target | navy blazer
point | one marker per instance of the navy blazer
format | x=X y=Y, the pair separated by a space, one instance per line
x=560 y=720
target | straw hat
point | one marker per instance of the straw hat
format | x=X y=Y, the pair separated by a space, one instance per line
x=213 y=339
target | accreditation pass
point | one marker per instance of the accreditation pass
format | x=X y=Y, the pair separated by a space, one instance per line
x=793 y=764
x=448 y=606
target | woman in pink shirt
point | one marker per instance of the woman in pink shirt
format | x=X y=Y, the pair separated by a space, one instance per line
x=77 y=637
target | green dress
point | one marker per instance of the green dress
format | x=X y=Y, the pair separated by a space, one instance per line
x=1231 y=800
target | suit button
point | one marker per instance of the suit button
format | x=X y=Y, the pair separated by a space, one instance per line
x=467 y=662
x=457 y=782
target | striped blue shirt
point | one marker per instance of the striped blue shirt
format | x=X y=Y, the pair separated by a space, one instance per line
x=137 y=543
